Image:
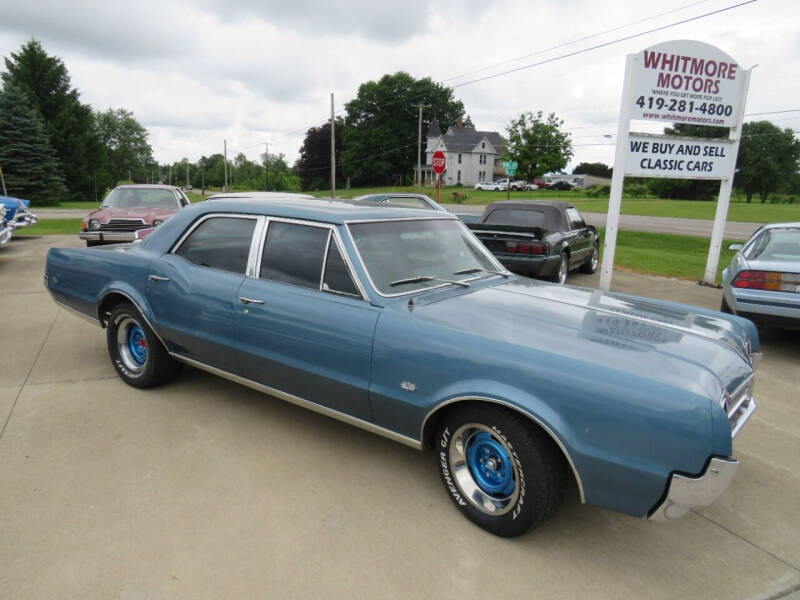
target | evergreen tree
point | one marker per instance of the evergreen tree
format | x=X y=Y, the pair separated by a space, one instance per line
x=69 y=123
x=28 y=160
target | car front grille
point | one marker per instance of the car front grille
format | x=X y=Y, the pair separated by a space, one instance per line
x=123 y=225
x=740 y=405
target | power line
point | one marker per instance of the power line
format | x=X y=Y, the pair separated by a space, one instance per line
x=773 y=112
x=604 y=44
x=582 y=39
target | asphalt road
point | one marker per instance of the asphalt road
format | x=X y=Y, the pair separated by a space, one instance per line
x=693 y=227
x=205 y=489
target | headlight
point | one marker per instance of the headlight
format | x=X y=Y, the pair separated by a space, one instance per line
x=94 y=224
x=157 y=222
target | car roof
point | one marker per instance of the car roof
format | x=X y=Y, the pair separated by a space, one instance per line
x=529 y=204
x=316 y=209
x=151 y=186
x=781 y=225
x=256 y=195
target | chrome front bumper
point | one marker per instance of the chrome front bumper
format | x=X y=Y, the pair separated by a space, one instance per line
x=108 y=236
x=685 y=493
x=25 y=220
x=6 y=233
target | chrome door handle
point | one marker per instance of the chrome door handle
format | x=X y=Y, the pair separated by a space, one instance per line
x=249 y=301
x=157 y=278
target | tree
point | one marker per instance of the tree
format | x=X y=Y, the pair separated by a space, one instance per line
x=538 y=145
x=314 y=164
x=379 y=141
x=28 y=160
x=68 y=123
x=767 y=160
x=125 y=145
x=597 y=169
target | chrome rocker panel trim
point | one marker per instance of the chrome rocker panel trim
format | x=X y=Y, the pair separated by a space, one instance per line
x=302 y=402
x=685 y=493
x=108 y=236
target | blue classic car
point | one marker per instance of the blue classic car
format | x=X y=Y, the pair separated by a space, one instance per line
x=17 y=211
x=401 y=322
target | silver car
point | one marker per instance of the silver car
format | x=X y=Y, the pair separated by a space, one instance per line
x=762 y=281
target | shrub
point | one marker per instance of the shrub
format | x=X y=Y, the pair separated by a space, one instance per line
x=598 y=191
x=459 y=197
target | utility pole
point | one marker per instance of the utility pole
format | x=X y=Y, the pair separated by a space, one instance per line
x=187 y=173
x=333 y=152
x=418 y=177
x=225 y=166
x=266 y=155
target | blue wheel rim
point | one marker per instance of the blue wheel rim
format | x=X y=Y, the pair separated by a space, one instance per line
x=490 y=465
x=137 y=344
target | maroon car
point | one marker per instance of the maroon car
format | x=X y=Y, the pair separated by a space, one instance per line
x=128 y=209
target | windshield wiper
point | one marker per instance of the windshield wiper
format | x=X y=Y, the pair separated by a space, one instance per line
x=478 y=269
x=423 y=278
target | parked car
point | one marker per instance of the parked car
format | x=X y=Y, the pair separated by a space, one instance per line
x=539 y=239
x=502 y=184
x=406 y=200
x=18 y=211
x=6 y=227
x=762 y=281
x=489 y=186
x=129 y=208
x=559 y=185
x=401 y=322
x=519 y=185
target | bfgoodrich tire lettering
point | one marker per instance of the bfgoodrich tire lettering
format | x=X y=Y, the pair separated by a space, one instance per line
x=136 y=353
x=501 y=471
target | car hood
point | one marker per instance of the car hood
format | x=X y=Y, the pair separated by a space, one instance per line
x=615 y=331
x=146 y=213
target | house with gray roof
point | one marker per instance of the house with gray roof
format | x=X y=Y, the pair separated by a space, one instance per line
x=472 y=155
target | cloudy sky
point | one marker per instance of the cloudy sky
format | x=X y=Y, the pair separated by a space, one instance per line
x=251 y=71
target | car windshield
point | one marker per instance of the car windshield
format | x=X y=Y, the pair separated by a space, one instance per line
x=777 y=244
x=546 y=217
x=394 y=251
x=145 y=197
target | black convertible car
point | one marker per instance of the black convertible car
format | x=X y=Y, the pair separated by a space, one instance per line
x=539 y=239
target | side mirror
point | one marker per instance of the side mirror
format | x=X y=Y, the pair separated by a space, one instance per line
x=735 y=246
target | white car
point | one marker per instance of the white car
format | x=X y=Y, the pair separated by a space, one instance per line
x=491 y=186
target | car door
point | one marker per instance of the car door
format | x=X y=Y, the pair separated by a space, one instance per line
x=193 y=289
x=304 y=327
x=580 y=236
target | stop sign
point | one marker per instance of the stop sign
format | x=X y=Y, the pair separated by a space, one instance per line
x=439 y=162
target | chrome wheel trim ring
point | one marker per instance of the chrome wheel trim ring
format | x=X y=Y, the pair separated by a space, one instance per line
x=123 y=345
x=562 y=269
x=595 y=257
x=464 y=478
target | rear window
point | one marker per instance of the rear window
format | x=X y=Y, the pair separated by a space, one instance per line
x=544 y=217
x=777 y=244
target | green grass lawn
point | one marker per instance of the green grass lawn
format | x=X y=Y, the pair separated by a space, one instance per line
x=52 y=227
x=680 y=256
x=655 y=253
x=689 y=209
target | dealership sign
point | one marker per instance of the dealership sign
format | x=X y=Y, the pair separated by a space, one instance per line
x=685 y=81
x=678 y=157
x=681 y=81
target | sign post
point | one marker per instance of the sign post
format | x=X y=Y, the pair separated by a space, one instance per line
x=510 y=167
x=681 y=81
x=439 y=164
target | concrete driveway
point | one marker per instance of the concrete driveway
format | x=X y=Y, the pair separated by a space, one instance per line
x=205 y=489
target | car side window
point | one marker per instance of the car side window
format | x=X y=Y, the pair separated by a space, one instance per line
x=337 y=276
x=220 y=243
x=575 y=219
x=293 y=254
